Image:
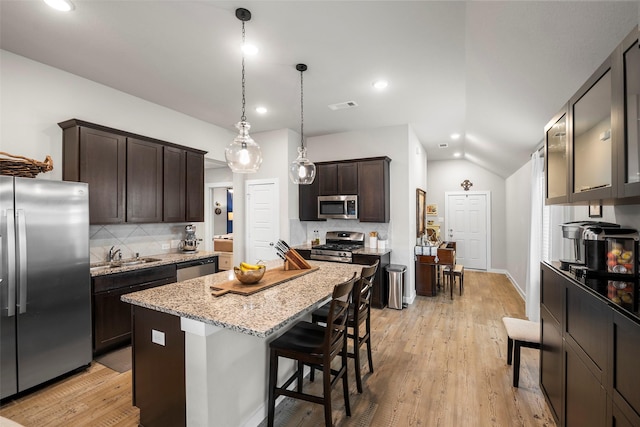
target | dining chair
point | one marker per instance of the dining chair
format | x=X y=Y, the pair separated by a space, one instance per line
x=315 y=346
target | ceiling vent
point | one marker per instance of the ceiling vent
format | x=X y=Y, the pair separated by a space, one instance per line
x=443 y=145
x=343 y=105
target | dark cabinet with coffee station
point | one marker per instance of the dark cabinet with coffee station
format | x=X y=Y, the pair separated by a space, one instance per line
x=133 y=178
x=590 y=326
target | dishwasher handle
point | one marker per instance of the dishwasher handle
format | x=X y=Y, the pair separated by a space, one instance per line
x=195 y=263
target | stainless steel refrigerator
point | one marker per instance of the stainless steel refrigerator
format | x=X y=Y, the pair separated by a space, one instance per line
x=45 y=292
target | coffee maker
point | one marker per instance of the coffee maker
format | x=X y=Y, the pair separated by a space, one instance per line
x=574 y=231
x=190 y=242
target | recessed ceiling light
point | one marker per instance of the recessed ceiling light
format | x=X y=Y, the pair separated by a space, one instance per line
x=380 y=84
x=249 y=49
x=457 y=154
x=261 y=110
x=455 y=136
x=62 y=5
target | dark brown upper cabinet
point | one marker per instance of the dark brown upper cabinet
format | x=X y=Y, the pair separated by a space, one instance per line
x=195 y=187
x=556 y=159
x=144 y=181
x=133 y=178
x=99 y=159
x=373 y=190
x=626 y=105
x=593 y=138
x=308 y=201
x=337 y=178
x=175 y=187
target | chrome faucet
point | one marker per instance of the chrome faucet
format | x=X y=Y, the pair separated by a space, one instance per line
x=112 y=254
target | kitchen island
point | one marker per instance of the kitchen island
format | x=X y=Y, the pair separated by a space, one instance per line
x=225 y=343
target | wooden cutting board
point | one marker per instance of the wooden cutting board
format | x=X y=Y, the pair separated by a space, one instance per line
x=271 y=278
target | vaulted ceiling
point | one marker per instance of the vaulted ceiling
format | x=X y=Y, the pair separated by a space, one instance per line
x=495 y=72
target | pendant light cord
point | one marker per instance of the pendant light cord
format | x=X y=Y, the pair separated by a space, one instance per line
x=243 y=118
x=301 y=110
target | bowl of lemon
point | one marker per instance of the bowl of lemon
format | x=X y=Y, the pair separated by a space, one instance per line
x=249 y=273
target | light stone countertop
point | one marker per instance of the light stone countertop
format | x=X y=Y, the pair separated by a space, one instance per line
x=260 y=314
x=163 y=259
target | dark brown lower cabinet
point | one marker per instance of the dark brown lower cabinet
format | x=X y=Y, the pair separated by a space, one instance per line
x=586 y=399
x=380 y=294
x=425 y=276
x=551 y=363
x=112 y=317
x=589 y=356
x=158 y=368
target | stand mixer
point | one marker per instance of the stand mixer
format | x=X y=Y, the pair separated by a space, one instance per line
x=190 y=242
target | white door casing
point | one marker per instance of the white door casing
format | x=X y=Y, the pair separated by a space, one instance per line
x=262 y=207
x=468 y=223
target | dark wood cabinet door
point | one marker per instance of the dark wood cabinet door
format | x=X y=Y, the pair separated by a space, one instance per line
x=425 y=278
x=348 y=178
x=380 y=294
x=144 y=181
x=625 y=376
x=102 y=164
x=175 y=187
x=327 y=176
x=308 y=201
x=553 y=288
x=551 y=362
x=373 y=191
x=195 y=187
x=586 y=399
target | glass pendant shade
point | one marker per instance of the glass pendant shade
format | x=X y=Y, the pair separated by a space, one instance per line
x=302 y=170
x=243 y=155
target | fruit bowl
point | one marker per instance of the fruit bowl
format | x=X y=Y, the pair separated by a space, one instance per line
x=249 y=276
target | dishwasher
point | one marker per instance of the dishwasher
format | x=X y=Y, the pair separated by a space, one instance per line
x=196 y=268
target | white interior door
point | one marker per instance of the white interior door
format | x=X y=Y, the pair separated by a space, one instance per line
x=263 y=214
x=467 y=224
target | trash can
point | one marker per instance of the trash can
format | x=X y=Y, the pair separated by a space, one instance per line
x=396 y=285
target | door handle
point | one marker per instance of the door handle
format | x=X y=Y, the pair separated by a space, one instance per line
x=11 y=263
x=22 y=262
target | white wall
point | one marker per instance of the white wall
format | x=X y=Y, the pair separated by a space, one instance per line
x=518 y=223
x=394 y=142
x=446 y=175
x=36 y=97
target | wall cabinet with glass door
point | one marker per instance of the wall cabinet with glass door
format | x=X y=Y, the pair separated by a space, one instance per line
x=627 y=103
x=556 y=159
x=591 y=137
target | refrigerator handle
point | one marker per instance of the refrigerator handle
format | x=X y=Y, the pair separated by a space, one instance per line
x=11 y=263
x=22 y=262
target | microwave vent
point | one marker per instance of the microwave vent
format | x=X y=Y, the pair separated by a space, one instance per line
x=343 y=105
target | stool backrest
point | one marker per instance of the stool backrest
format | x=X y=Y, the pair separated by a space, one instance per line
x=369 y=271
x=336 y=331
x=362 y=291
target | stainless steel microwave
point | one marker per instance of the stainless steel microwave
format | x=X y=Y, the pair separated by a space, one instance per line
x=341 y=207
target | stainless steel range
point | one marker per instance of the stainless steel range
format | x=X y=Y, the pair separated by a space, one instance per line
x=339 y=246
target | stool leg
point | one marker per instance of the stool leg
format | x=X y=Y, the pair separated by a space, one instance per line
x=516 y=364
x=273 y=377
x=509 y=350
x=461 y=282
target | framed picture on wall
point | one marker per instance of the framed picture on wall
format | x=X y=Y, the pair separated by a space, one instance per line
x=421 y=200
x=432 y=209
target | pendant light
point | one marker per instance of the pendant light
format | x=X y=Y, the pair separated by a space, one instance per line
x=243 y=154
x=302 y=170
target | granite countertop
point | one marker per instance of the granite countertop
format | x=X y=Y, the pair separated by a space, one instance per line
x=259 y=314
x=364 y=251
x=163 y=259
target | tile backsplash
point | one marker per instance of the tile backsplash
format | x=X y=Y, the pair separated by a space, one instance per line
x=144 y=239
x=305 y=232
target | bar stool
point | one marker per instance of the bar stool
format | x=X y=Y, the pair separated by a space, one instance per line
x=359 y=319
x=520 y=333
x=315 y=346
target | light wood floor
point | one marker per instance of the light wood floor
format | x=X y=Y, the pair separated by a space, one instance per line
x=437 y=363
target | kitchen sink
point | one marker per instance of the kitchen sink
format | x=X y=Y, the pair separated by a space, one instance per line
x=122 y=263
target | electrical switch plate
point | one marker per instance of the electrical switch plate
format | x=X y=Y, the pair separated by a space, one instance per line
x=157 y=337
x=165 y=246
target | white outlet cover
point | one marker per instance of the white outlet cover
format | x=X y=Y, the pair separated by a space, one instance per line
x=157 y=337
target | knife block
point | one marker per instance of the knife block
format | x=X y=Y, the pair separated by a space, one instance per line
x=294 y=261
